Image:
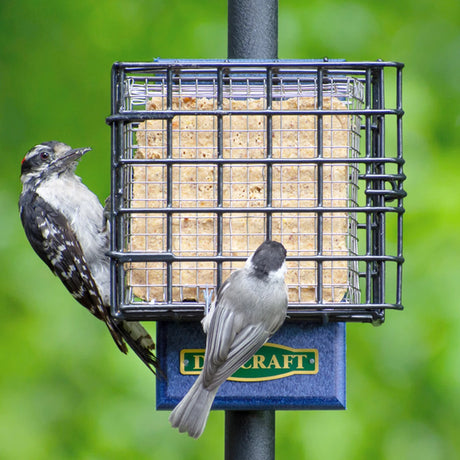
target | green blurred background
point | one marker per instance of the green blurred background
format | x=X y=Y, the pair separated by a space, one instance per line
x=66 y=392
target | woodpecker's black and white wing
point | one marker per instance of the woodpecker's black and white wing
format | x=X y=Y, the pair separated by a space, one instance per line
x=53 y=240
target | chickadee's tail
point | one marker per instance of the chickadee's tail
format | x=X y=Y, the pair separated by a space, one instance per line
x=191 y=414
x=139 y=340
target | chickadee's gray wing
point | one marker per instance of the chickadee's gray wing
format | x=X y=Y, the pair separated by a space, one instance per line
x=247 y=343
x=228 y=348
x=221 y=333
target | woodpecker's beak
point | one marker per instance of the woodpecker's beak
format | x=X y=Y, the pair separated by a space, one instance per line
x=74 y=155
x=69 y=157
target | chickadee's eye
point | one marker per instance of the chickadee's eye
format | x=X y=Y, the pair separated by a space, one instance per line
x=44 y=155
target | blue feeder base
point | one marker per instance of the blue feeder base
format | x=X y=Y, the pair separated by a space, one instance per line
x=321 y=388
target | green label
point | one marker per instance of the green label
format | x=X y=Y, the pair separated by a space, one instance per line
x=271 y=362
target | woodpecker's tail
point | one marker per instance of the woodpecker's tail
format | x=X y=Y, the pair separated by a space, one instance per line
x=138 y=339
x=191 y=414
x=140 y=342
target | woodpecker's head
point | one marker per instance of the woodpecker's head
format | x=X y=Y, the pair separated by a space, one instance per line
x=48 y=159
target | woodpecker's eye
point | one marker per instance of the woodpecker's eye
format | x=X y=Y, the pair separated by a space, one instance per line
x=44 y=155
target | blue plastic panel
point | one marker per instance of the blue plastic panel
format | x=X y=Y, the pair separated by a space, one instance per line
x=323 y=390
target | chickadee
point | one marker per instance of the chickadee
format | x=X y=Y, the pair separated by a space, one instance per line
x=250 y=307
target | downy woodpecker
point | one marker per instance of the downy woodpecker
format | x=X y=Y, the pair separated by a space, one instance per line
x=65 y=224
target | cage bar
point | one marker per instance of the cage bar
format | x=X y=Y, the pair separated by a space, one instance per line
x=209 y=158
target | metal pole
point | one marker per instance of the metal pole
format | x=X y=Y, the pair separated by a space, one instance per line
x=250 y=435
x=252 y=34
x=253 y=29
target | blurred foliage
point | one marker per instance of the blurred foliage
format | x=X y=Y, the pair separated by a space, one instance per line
x=57 y=399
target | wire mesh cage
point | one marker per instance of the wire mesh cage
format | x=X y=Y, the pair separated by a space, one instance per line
x=210 y=158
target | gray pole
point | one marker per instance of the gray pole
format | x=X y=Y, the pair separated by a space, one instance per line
x=252 y=29
x=252 y=34
x=250 y=435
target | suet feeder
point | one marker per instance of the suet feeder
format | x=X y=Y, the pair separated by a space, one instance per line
x=212 y=157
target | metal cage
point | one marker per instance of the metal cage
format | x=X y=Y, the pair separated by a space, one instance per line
x=209 y=158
